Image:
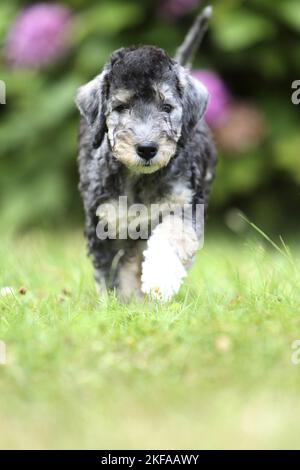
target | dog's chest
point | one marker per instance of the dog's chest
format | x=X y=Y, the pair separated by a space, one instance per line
x=139 y=208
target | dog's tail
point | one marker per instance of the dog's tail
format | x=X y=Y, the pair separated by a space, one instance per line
x=185 y=53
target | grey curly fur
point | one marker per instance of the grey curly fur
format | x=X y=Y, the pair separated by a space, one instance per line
x=104 y=177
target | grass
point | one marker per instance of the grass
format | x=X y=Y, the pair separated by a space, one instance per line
x=212 y=369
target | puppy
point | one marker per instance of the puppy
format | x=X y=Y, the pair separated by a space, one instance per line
x=146 y=163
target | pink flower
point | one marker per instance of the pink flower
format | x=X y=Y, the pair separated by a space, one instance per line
x=176 y=8
x=243 y=129
x=38 y=36
x=219 y=99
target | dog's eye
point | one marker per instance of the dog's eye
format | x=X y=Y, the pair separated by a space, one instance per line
x=167 y=108
x=121 y=107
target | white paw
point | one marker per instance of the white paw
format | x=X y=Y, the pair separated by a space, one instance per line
x=162 y=271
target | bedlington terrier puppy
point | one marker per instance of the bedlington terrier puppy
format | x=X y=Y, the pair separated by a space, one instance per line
x=143 y=144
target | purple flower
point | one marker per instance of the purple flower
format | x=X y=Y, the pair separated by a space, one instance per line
x=219 y=99
x=243 y=129
x=38 y=36
x=176 y=8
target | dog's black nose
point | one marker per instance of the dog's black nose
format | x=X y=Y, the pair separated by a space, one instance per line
x=147 y=150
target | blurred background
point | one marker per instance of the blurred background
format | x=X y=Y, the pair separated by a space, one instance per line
x=248 y=60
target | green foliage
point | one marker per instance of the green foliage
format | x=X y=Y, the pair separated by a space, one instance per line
x=254 y=46
x=239 y=29
x=289 y=12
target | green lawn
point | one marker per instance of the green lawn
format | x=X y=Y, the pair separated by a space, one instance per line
x=212 y=369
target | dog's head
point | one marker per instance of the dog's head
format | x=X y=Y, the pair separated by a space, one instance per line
x=145 y=102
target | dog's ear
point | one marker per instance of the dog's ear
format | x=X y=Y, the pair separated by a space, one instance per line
x=194 y=101
x=91 y=102
x=119 y=55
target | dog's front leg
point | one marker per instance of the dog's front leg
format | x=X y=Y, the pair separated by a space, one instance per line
x=129 y=273
x=102 y=253
x=170 y=252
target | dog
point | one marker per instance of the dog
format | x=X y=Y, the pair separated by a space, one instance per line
x=142 y=137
